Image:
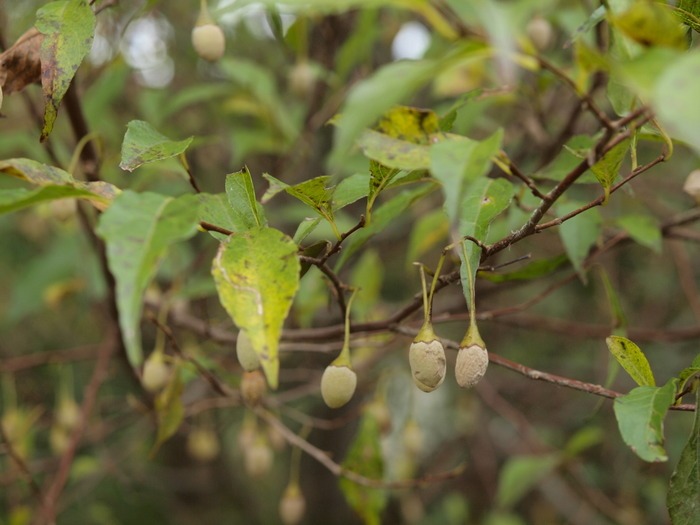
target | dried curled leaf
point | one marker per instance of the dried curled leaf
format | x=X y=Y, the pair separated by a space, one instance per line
x=20 y=64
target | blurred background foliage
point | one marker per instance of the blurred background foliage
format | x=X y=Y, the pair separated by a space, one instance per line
x=534 y=452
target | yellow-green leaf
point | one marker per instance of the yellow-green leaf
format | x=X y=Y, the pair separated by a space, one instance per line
x=169 y=410
x=632 y=359
x=651 y=24
x=257 y=276
x=607 y=168
x=69 y=28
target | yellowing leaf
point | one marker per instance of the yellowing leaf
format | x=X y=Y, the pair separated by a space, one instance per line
x=632 y=359
x=607 y=168
x=651 y=24
x=69 y=27
x=257 y=276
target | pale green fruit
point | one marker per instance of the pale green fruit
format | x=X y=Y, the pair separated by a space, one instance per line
x=155 y=373
x=203 y=444
x=472 y=362
x=258 y=459
x=209 y=42
x=292 y=505
x=338 y=385
x=413 y=438
x=247 y=357
x=68 y=413
x=253 y=387
x=59 y=439
x=428 y=364
x=540 y=32
x=692 y=185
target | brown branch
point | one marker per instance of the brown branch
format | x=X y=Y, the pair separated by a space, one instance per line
x=214 y=228
x=23 y=362
x=22 y=466
x=338 y=470
x=55 y=486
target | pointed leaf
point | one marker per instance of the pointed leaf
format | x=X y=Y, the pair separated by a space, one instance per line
x=483 y=201
x=632 y=359
x=53 y=179
x=170 y=411
x=142 y=144
x=457 y=163
x=674 y=98
x=530 y=271
x=684 y=490
x=138 y=228
x=371 y=97
x=644 y=229
x=241 y=197
x=257 y=276
x=607 y=168
x=640 y=418
x=69 y=28
x=13 y=200
x=521 y=474
x=651 y=24
x=351 y=189
x=365 y=458
x=579 y=233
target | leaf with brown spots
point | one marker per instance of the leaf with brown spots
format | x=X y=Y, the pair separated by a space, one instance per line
x=69 y=28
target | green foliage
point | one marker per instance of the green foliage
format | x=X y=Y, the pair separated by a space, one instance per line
x=640 y=415
x=522 y=114
x=69 y=27
x=257 y=275
x=632 y=359
x=138 y=229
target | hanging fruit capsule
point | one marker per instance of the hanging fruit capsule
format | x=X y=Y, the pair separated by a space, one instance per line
x=208 y=39
x=472 y=359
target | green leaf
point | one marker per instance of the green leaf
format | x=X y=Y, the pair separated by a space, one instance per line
x=618 y=318
x=688 y=375
x=632 y=359
x=215 y=209
x=365 y=458
x=521 y=474
x=69 y=28
x=170 y=411
x=241 y=198
x=257 y=276
x=644 y=229
x=584 y=439
x=315 y=193
x=689 y=12
x=457 y=164
x=351 y=189
x=371 y=97
x=430 y=229
x=640 y=418
x=579 y=234
x=305 y=228
x=381 y=217
x=651 y=24
x=392 y=152
x=138 y=228
x=483 y=201
x=607 y=168
x=532 y=270
x=683 y=499
x=674 y=99
x=142 y=144
x=55 y=183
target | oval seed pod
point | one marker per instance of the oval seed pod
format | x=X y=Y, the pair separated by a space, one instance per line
x=427 y=359
x=540 y=32
x=203 y=444
x=68 y=413
x=209 y=42
x=471 y=365
x=156 y=373
x=338 y=385
x=292 y=505
x=247 y=357
x=253 y=387
x=258 y=459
